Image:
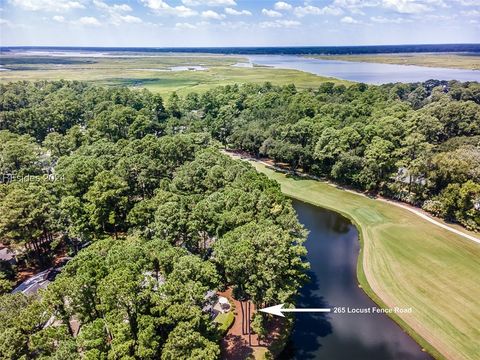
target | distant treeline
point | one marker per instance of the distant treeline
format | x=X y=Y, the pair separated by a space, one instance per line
x=279 y=50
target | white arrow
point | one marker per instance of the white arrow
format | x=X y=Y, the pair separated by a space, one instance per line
x=278 y=310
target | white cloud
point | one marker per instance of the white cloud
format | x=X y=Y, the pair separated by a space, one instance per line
x=185 y=26
x=210 y=14
x=47 y=5
x=436 y=17
x=116 y=13
x=231 y=11
x=355 y=6
x=122 y=7
x=209 y=2
x=302 y=11
x=9 y=24
x=271 y=13
x=470 y=13
x=384 y=20
x=156 y=5
x=59 y=19
x=115 y=7
x=126 y=19
x=356 y=11
x=234 y=24
x=349 y=20
x=440 y=3
x=183 y=11
x=89 y=20
x=406 y=6
x=281 y=5
x=400 y=6
x=5 y=22
x=280 y=24
x=331 y=10
x=356 y=3
x=469 y=2
x=162 y=8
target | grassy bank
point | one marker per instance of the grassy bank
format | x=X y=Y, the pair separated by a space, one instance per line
x=454 y=61
x=408 y=262
x=152 y=72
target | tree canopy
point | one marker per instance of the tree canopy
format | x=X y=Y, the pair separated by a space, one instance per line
x=168 y=218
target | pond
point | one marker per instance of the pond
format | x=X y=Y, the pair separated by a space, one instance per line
x=369 y=73
x=333 y=248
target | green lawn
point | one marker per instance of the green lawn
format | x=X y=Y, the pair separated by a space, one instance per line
x=408 y=262
x=224 y=321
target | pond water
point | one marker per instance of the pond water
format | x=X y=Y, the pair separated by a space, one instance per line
x=370 y=73
x=332 y=252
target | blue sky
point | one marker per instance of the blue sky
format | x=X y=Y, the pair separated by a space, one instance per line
x=237 y=23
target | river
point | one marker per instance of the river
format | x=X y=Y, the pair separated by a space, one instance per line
x=369 y=73
x=333 y=248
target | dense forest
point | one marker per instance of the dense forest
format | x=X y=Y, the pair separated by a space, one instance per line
x=155 y=217
x=168 y=217
x=418 y=143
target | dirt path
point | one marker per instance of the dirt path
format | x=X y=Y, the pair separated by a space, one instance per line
x=235 y=345
x=410 y=208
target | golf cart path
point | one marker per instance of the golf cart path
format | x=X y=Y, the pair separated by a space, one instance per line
x=410 y=208
x=430 y=219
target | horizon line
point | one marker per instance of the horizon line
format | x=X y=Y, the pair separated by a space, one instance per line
x=230 y=47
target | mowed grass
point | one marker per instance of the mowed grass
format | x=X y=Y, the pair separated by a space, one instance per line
x=225 y=321
x=454 y=61
x=143 y=72
x=406 y=261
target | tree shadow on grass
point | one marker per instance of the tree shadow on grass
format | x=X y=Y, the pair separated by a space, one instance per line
x=292 y=175
x=309 y=327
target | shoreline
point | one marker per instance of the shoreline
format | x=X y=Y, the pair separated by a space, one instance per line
x=452 y=227
x=446 y=60
x=367 y=289
x=424 y=345
x=421 y=326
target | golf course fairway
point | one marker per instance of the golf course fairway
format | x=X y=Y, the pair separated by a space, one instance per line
x=406 y=261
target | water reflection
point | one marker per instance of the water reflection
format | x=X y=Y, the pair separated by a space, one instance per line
x=370 y=73
x=332 y=252
x=310 y=327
